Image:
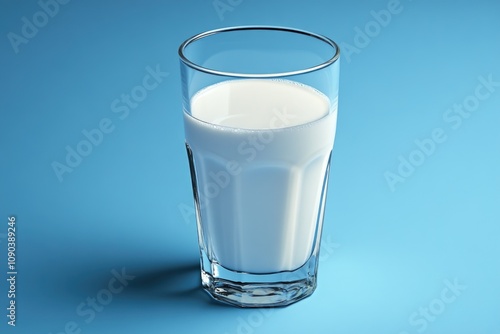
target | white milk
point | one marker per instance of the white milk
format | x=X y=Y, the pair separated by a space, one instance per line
x=261 y=150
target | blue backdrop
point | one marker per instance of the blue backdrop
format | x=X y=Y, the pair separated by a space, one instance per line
x=93 y=169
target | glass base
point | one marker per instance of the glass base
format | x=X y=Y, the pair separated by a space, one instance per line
x=257 y=295
x=260 y=290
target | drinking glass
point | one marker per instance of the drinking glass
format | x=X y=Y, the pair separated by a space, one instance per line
x=260 y=113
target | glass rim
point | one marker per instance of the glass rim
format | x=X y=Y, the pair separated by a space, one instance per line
x=208 y=33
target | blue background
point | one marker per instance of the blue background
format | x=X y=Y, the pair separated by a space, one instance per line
x=388 y=254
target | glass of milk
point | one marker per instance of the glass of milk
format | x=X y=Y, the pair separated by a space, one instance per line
x=260 y=112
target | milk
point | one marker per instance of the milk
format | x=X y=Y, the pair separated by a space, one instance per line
x=260 y=151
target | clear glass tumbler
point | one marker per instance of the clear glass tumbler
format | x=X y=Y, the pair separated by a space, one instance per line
x=260 y=113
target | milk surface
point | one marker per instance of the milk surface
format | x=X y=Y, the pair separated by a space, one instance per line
x=260 y=151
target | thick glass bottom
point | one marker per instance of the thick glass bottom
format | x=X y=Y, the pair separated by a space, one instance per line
x=259 y=290
x=257 y=294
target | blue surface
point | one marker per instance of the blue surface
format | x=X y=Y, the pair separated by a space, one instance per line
x=420 y=256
